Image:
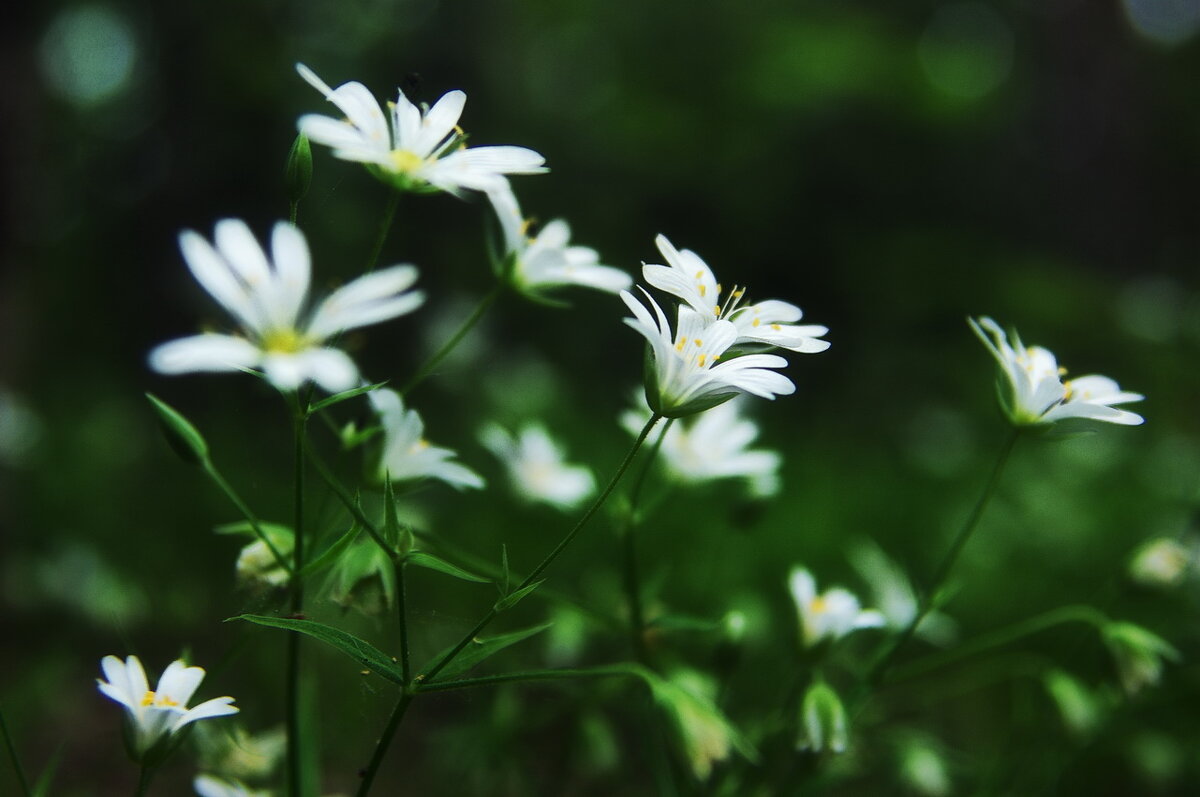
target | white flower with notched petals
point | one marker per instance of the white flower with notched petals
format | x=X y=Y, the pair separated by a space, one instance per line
x=422 y=151
x=687 y=374
x=407 y=455
x=155 y=715
x=771 y=322
x=267 y=298
x=545 y=261
x=1035 y=392
x=714 y=446
x=829 y=615
x=536 y=466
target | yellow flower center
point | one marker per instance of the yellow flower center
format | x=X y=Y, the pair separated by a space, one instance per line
x=818 y=605
x=284 y=341
x=406 y=162
x=158 y=701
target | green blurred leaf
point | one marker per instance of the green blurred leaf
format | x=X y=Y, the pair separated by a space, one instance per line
x=431 y=562
x=330 y=555
x=513 y=598
x=360 y=650
x=181 y=435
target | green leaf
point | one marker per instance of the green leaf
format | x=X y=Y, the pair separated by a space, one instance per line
x=345 y=395
x=504 y=581
x=479 y=649
x=297 y=175
x=396 y=534
x=431 y=562
x=363 y=652
x=331 y=554
x=46 y=779
x=513 y=598
x=181 y=435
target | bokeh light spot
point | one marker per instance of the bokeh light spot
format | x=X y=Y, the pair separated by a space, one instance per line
x=1168 y=22
x=966 y=50
x=88 y=54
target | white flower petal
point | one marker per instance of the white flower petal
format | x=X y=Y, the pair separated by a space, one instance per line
x=367 y=300
x=209 y=352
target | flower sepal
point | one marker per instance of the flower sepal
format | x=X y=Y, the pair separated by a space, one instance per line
x=663 y=406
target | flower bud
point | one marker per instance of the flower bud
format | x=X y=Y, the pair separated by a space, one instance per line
x=1138 y=655
x=822 y=720
x=297 y=175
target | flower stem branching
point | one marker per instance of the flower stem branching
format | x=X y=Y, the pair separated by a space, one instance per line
x=385 y=226
x=637 y=614
x=429 y=365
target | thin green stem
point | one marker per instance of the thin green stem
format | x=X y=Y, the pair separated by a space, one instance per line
x=295 y=766
x=554 y=554
x=402 y=618
x=427 y=368
x=211 y=471
x=927 y=598
x=293 y=208
x=16 y=759
x=637 y=613
x=1002 y=636
x=384 y=742
x=327 y=475
x=144 y=778
x=385 y=226
x=602 y=671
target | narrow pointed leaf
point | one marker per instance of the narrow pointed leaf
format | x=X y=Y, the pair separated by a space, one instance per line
x=431 y=562
x=513 y=598
x=330 y=555
x=363 y=652
x=338 y=398
x=480 y=649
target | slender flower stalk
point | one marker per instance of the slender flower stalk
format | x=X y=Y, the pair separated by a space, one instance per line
x=13 y=758
x=435 y=360
x=294 y=763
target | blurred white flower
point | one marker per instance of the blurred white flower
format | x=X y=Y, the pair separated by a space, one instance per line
x=830 y=615
x=407 y=455
x=707 y=735
x=422 y=151
x=1035 y=392
x=771 y=322
x=267 y=298
x=155 y=715
x=1138 y=655
x=209 y=786
x=712 y=446
x=686 y=375
x=545 y=261
x=536 y=467
x=893 y=593
x=1161 y=562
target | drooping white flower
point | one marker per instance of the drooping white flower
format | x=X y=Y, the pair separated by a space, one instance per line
x=1035 y=392
x=210 y=786
x=545 y=261
x=422 y=151
x=771 y=322
x=687 y=374
x=267 y=298
x=830 y=615
x=893 y=593
x=407 y=455
x=1161 y=562
x=155 y=715
x=713 y=445
x=536 y=466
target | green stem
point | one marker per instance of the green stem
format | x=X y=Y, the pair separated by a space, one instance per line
x=1003 y=636
x=384 y=742
x=211 y=471
x=144 y=778
x=16 y=760
x=558 y=549
x=602 y=671
x=293 y=208
x=637 y=614
x=402 y=617
x=385 y=226
x=295 y=765
x=347 y=500
x=925 y=603
x=427 y=368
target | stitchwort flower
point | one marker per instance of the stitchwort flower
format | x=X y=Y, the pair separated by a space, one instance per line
x=770 y=322
x=407 y=455
x=536 y=466
x=685 y=374
x=539 y=262
x=157 y=715
x=830 y=615
x=267 y=298
x=1034 y=392
x=423 y=152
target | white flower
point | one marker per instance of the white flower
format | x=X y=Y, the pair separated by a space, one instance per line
x=712 y=446
x=769 y=322
x=155 y=715
x=687 y=375
x=832 y=614
x=267 y=298
x=1161 y=562
x=1138 y=654
x=422 y=151
x=545 y=260
x=209 y=786
x=536 y=467
x=1035 y=392
x=893 y=593
x=407 y=455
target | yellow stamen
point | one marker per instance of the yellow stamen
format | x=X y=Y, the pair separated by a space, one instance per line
x=405 y=161
x=703 y=290
x=698 y=342
x=699 y=274
x=776 y=327
x=756 y=322
x=818 y=605
x=702 y=360
x=284 y=341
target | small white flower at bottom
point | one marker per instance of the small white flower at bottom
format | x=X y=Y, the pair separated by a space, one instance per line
x=829 y=615
x=155 y=715
x=209 y=786
x=407 y=455
x=536 y=466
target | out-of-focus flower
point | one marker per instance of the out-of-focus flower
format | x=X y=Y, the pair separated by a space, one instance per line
x=1034 y=392
x=923 y=767
x=407 y=455
x=685 y=374
x=1161 y=562
x=422 y=152
x=267 y=298
x=713 y=446
x=240 y=755
x=1138 y=654
x=158 y=714
x=536 y=467
x=771 y=322
x=830 y=615
x=707 y=735
x=209 y=786
x=1082 y=708
x=893 y=593
x=257 y=565
x=538 y=263
x=822 y=720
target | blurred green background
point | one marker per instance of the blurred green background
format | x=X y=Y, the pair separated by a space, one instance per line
x=891 y=168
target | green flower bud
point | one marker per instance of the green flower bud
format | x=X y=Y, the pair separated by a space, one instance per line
x=822 y=720
x=297 y=175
